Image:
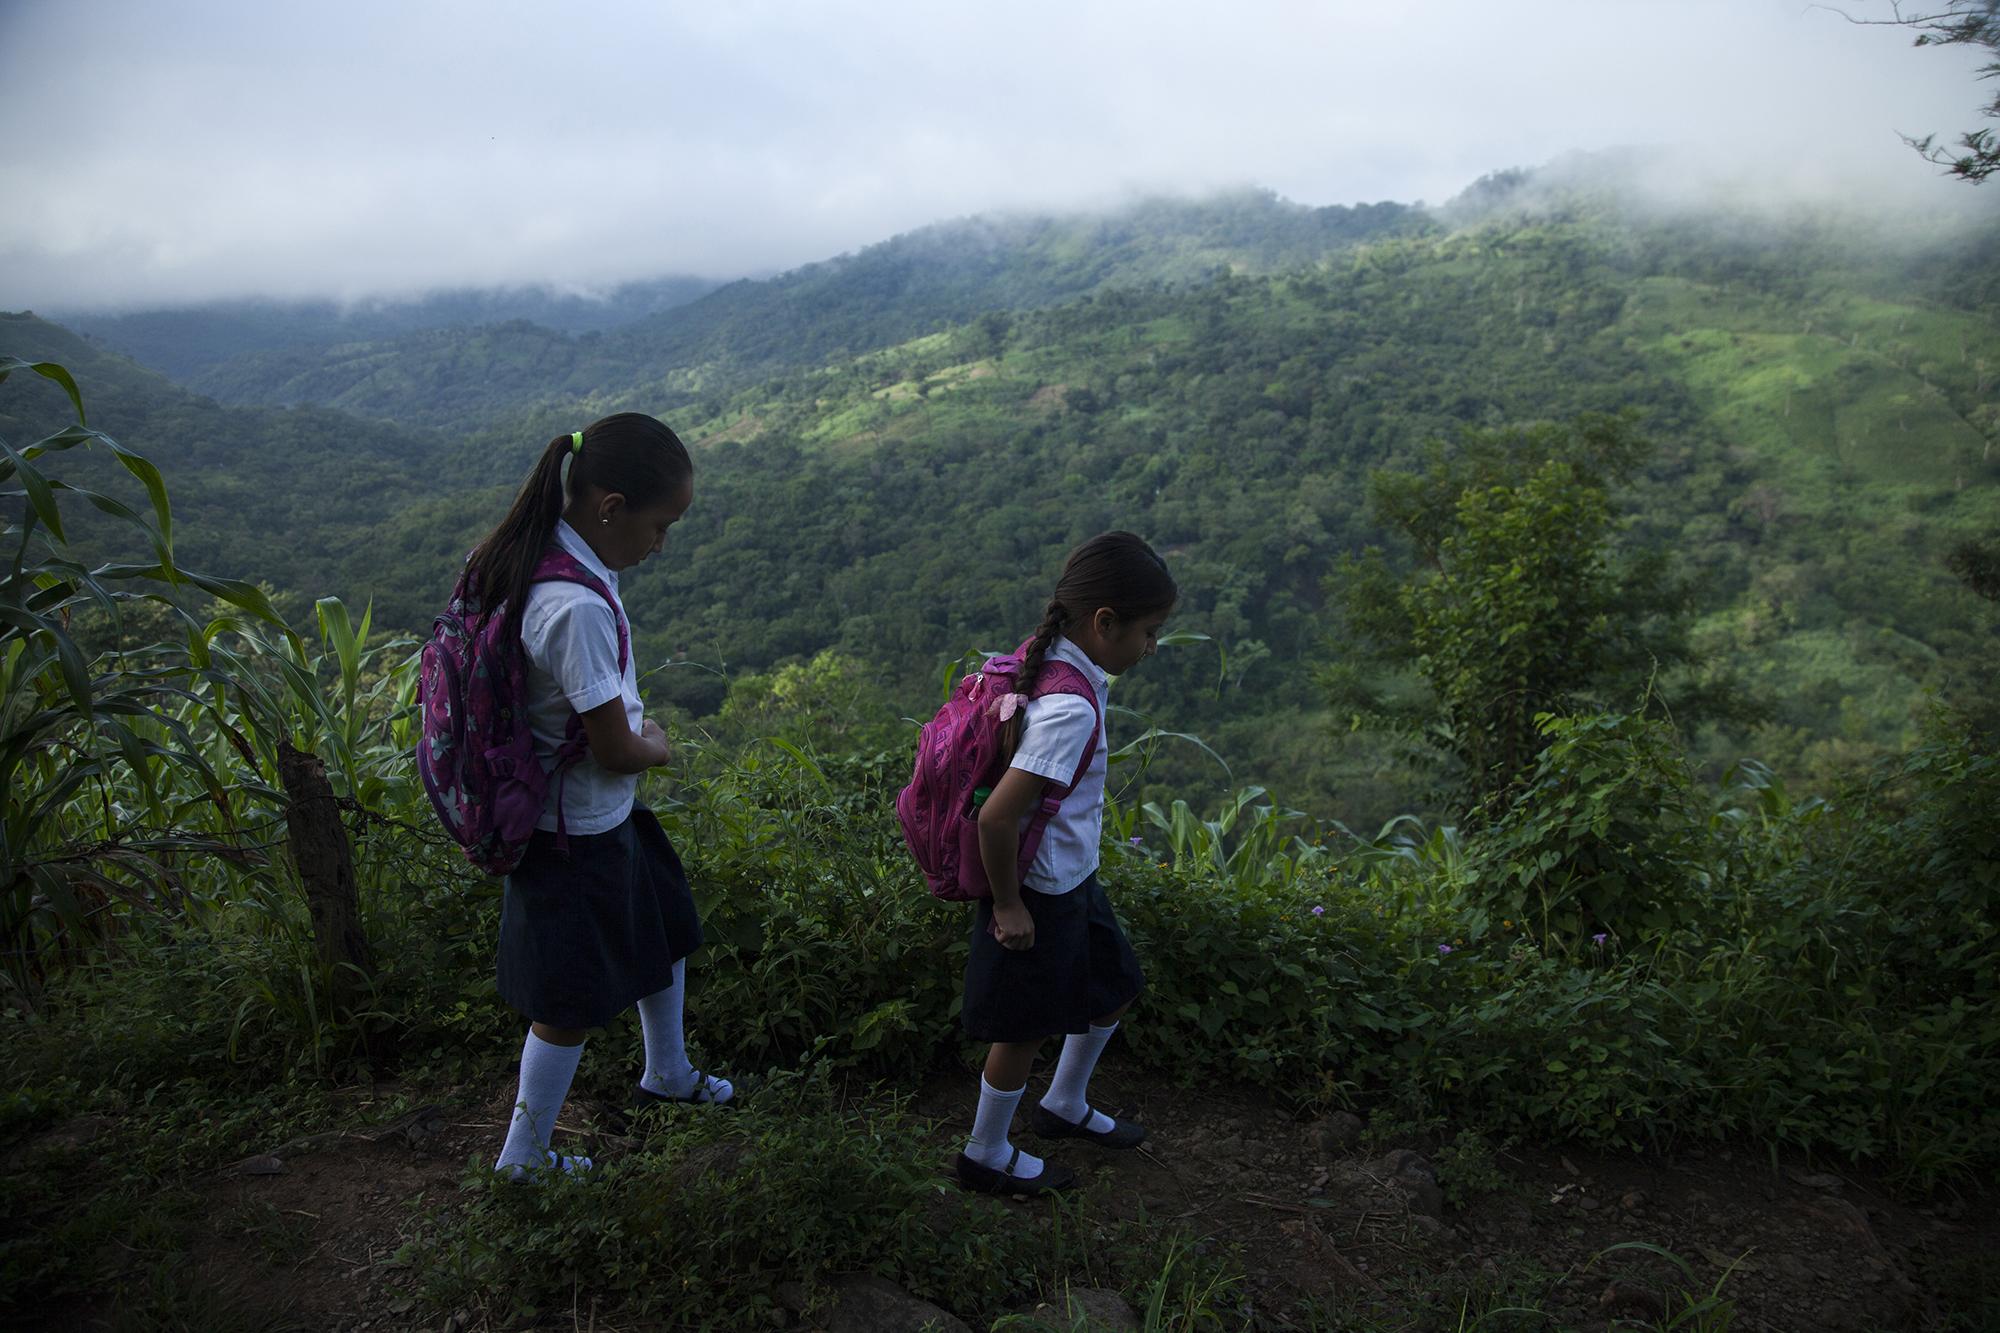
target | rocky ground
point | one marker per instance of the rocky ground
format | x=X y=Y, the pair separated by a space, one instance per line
x=1337 y=1224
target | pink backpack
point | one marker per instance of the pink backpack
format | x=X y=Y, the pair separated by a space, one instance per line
x=475 y=754
x=957 y=753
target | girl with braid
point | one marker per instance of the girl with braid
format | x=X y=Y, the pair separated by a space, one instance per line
x=1048 y=955
x=597 y=917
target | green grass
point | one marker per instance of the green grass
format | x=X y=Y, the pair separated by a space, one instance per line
x=1797 y=398
x=1855 y=380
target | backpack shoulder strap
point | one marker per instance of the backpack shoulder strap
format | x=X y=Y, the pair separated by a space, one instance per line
x=559 y=566
x=1058 y=677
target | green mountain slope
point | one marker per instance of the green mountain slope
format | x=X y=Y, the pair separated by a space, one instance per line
x=186 y=342
x=884 y=294
x=903 y=505
x=1823 y=409
x=261 y=493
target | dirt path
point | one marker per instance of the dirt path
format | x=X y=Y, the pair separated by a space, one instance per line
x=1337 y=1227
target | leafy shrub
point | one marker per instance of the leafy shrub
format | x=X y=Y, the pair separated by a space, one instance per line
x=1742 y=989
x=1601 y=837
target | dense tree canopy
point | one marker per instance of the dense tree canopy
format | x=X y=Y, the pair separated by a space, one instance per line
x=1516 y=602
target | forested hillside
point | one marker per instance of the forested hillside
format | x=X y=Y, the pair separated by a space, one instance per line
x=896 y=447
x=277 y=493
x=883 y=295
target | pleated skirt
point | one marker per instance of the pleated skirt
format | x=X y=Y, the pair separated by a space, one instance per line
x=1082 y=967
x=584 y=935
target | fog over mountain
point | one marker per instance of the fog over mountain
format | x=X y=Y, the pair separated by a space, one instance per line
x=226 y=149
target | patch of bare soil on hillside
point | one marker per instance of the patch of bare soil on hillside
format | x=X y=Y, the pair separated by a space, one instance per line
x=745 y=428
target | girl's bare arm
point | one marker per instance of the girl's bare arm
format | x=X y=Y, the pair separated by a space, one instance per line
x=999 y=849
x=615 y=746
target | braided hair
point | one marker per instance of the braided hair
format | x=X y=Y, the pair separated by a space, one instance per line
x=1113 y=569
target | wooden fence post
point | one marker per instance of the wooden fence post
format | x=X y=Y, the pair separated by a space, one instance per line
x=326 y=867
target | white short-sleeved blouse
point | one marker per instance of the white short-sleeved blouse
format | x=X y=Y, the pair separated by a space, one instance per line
x=1052 y=739
x=571 y=639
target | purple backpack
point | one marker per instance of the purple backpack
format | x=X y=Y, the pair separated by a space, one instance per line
x=476 y=755
x=957 y=753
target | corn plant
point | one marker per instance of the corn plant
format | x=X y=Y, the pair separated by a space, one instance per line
x=1406 y=841
x=93 y=815
x=350 y=703
x=1249 y=844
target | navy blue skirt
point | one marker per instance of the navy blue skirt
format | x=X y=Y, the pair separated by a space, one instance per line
x=583 y=936
x=1081 y=968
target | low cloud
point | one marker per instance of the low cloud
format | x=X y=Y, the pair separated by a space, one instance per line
x=173 y=153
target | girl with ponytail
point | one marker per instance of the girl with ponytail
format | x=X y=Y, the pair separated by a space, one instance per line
x=1048 y=955
x=597 y=916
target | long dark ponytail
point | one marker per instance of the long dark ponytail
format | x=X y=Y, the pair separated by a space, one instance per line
x=629 y=453
x=1114 y=569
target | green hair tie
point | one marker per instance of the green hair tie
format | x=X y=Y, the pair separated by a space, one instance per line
x=576 y=442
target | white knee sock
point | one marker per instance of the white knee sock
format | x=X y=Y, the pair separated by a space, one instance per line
x=546 y=1072
x=667 y=1069
x=1065 y=1096
x=989 y=1146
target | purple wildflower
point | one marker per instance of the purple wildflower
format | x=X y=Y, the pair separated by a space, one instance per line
x=1319 y=911
x=1598 y=939
x=1443 y=949
x=1136 y=840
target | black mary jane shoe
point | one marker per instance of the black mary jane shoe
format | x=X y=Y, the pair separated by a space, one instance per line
x=1122 y=1134
x=984 y=1179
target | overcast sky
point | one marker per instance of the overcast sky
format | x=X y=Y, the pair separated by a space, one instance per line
x=159 y=151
